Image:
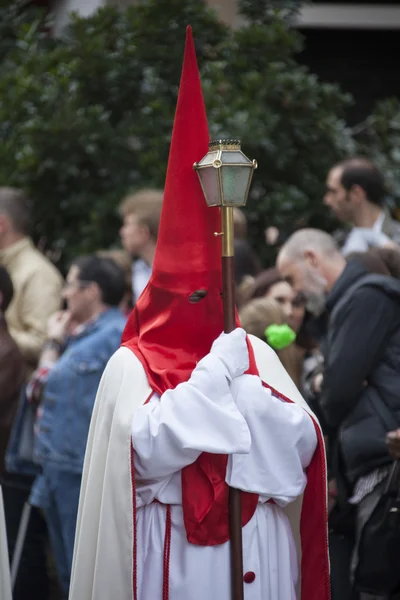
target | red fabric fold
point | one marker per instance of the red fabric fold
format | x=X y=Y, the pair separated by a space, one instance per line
x=167 y=332
x=169 y=335
x=315 y=572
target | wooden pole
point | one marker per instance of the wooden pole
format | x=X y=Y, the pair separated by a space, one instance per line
x=235 y=496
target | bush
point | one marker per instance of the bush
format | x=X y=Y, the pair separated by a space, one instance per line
x=379 y=139
x=86 y=118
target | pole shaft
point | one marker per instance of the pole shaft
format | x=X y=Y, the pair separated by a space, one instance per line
x=228 y=293
x=228 y=248
x=236 y=547
x=235 y=496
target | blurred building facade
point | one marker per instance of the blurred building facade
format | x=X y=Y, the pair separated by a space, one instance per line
x=359 y=14
x=61 y=9
x=354 y=43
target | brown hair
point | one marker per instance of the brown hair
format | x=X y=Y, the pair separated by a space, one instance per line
x=372 y=262
x=362 y=172
x=121 y=258
x=246 y=261
x=292 y=359
x=256 y=316
x=15 y=204
x=239 y=224
x=263 y=282
x=146 y=205
x=390 y=258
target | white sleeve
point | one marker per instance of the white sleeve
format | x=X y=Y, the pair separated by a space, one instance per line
x=283 y=441
x=198 y=416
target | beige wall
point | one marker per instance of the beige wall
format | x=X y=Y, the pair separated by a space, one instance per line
x=357 y=16
x=378 y=15
x=364 y=16
x=225 y=8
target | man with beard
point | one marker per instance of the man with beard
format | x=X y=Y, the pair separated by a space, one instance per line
x=362 y=362
x=355 y=193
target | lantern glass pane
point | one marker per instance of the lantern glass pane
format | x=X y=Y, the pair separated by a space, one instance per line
x=209 y=180
x=234 y=184
x=235 y=157
x=208 y=159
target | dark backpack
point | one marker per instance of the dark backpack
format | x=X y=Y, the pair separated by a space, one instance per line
x=378 y=569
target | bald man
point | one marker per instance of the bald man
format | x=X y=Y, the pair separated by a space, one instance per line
x=360 y=398
x=312 y=263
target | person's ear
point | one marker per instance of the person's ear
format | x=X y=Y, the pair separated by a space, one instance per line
x=4 y=224
x=356 y=194
x=311 y=258
x=94 y=292
x=145 y=232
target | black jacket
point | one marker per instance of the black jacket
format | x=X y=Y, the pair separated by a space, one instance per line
x=12 y=373
x=362 y=366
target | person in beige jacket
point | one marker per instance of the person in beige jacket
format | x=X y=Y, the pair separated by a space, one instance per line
x=37 y=283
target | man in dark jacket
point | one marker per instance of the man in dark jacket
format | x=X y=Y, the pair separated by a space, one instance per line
x=360 y=398
x=11 y=368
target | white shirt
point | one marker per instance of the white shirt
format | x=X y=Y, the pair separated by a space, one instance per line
x=140 y=277
x=377 y=226
x=361 y=239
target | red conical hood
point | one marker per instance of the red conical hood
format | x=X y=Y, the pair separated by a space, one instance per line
x=188 y=253
x=169 y=333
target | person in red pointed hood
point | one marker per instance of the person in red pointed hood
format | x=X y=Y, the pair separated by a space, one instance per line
x=183 y=412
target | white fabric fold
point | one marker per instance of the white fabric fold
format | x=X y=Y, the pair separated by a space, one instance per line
x=283 y=441
x=103 y=556
x=198 y=416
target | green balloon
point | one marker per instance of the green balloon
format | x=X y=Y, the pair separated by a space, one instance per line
x=279 y=336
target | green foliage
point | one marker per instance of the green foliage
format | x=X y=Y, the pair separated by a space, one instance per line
x=13 y=16
x=87 y=117
x=287 y=119
x=379 y=139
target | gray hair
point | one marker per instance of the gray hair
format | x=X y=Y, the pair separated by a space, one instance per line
x=15 y=205
x=309 y=239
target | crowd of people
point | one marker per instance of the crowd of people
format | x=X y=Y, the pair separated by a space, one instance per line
x=329 y=308
x=56 y=339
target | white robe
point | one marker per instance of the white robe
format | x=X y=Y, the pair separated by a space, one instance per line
x=5 y=583
x=265 y=458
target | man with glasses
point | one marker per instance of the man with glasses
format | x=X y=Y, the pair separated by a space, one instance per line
x=80 y=341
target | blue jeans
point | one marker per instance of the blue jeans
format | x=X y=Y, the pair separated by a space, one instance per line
x=56 y=492
x=33 y=576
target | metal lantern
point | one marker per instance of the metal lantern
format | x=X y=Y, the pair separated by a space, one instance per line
x=225 y=174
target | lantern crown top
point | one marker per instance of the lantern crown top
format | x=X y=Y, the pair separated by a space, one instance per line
x=224 y=145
